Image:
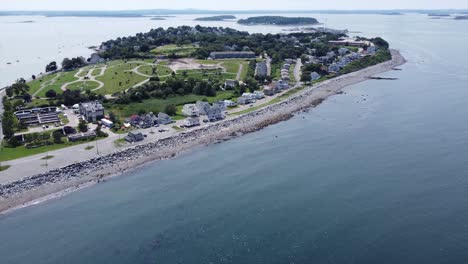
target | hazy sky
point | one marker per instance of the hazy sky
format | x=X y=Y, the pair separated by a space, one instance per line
x=229 y=4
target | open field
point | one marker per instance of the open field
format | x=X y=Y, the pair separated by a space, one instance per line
x=83 y=86
x=183 y=50
x=119 y=77
x=62 y=78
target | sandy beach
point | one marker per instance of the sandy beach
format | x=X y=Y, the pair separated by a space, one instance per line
x=58 y=182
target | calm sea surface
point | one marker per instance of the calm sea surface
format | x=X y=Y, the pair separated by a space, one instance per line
x=378 y=175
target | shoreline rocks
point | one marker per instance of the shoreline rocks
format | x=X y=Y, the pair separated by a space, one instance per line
x=97 y=169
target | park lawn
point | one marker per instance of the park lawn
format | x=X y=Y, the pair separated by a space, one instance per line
x=159 y=105
x=231 y=66
x=63 y=78
x=83 y=86
x=7 y=154
x=244 y=71
x=148 y=70
x=84 y=72
x=36 y=84
x=119 y=78
x=96 y=71
x=40 y=102
x=183 y=50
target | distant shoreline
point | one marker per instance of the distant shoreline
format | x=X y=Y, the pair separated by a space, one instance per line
x=59 y=182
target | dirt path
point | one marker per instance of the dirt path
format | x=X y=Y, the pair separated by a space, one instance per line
x=239 y=72
x=88 y=77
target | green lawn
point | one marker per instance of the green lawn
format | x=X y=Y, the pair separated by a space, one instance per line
x=210 y=62
x=36 y=84
x=4 y=168
x=83 y=86
x=63 y=78
x=96 y=71
x=183 y=50
x=119 y=78
x=231 y=66
x=291 y=73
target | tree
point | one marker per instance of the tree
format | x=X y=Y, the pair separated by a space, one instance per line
x=51 y=67
x=171 y=110
x=57 y=135
x=112 y=117
x=9 y=91
x=82 y=126
x=9 y=123
x=51 y=94
x=27 y=98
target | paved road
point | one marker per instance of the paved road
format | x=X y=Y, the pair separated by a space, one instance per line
x=297 y=70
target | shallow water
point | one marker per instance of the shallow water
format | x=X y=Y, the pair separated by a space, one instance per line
x=378 y=175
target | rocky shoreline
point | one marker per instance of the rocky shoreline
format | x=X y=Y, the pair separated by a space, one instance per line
x=65 y=179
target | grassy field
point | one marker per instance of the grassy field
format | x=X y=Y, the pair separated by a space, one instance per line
x=183 y=50
x=96 y=71
x=20 y=152
x=36 y=84
x=160 y=70
x=158 y=105
x=83 y=86
x=119 y=78
x=63 y=78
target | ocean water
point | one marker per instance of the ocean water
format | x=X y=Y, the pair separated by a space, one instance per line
x=377 y=175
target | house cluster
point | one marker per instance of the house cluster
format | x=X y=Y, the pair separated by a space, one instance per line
x=250 y=98
x=275 y=87
x=134 y=137
x=261 y=70
x=285 y=70
x=213 y=112
x=148 y=120
x=343 y=58
x=218 y=55
x=350 y=42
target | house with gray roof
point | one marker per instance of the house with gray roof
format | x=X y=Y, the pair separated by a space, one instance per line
x=164 y=119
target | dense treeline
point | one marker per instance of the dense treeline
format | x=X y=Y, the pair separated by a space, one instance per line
x=209 y=39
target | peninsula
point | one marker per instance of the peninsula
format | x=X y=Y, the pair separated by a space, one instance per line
x=278 y=20
x=153 y=95
x=215 y=18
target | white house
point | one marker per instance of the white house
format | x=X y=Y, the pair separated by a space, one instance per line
x=95 y=58
x=190 y=110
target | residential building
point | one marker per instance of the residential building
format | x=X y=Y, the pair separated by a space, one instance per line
x=343 y=51
x=202 y=107
x=230 y=84
x=192 y=121
x=259 y=95
x=333 y=68
x=261 y=69
x=349 y=42
x=134 y=137
x=232 y=55
x=164 y=119
x=95 y=58
x=229 y=103
x=215 y=113
x=92 y=111
x=190 y=110
x=314 y=76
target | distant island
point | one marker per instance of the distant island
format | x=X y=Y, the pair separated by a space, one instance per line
x=461 y=17
x=157 y=18
x=438 y=15
x=278 y=20
x=215 y=18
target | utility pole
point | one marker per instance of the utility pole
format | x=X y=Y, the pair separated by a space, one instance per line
x=97 y=149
